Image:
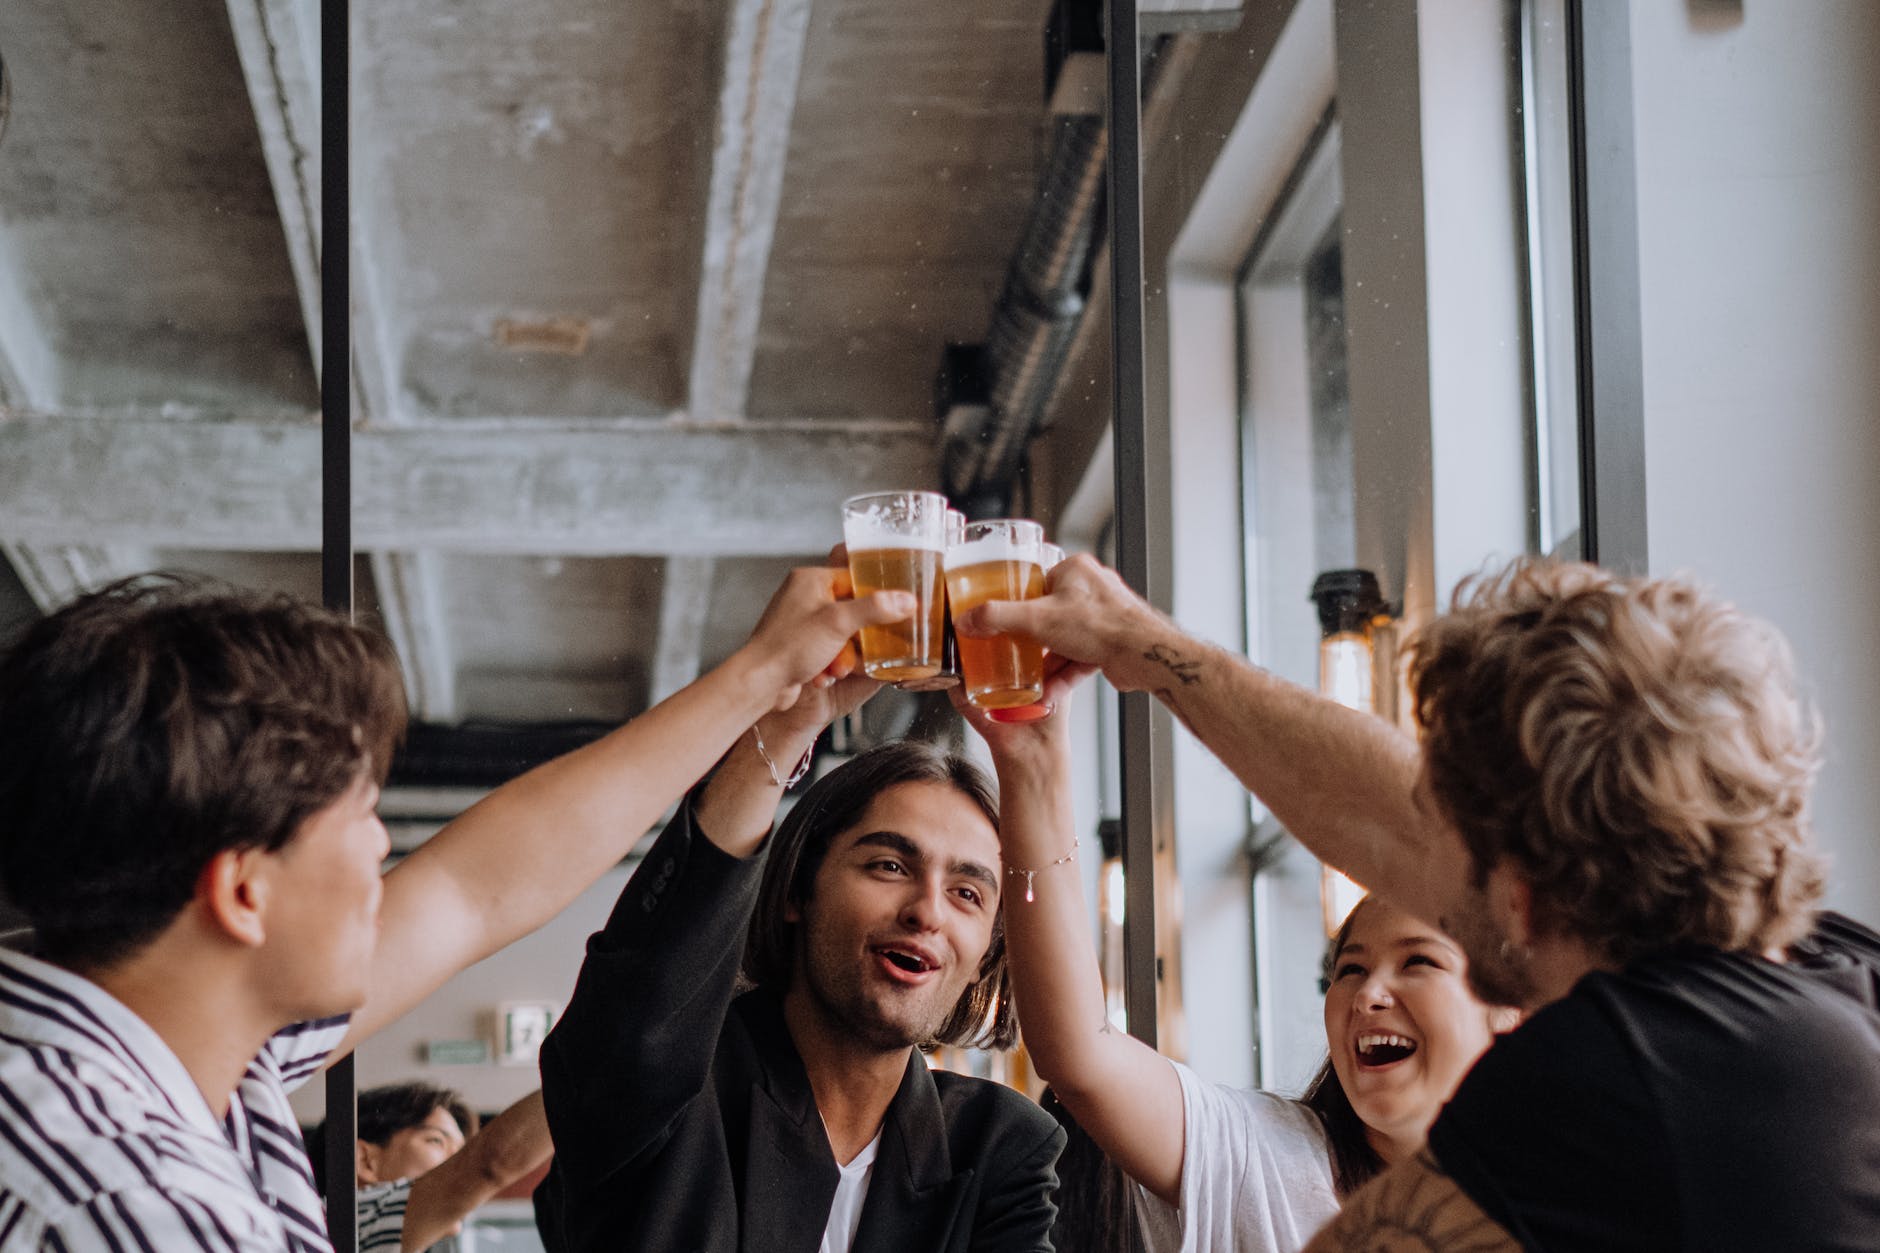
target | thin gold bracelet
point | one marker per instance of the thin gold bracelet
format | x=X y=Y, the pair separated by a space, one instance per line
x=1068 y=857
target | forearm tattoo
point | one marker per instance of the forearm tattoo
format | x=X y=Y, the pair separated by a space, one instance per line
x=1185 y=672
x=1413 y=1208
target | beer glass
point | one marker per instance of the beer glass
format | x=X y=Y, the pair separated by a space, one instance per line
x=897 y=543
x=949 y=673
x=1001 y=560
x=1030 y=713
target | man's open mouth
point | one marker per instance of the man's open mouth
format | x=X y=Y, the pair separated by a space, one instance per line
x=1383 y=1048
x=905 y=960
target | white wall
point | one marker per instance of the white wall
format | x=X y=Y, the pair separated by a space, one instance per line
x=1758 y=141
x=541 y=966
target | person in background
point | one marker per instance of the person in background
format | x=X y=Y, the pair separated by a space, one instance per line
x=1219 y=1167
x=189 y=778
x=423 y=1164
x=1608 y=812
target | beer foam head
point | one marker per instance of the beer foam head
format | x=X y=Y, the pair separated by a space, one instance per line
x=989 y=548
x=863 y=533
x=895 y=520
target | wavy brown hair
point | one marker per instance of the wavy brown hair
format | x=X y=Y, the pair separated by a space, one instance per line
x=1634 y=748
x=982 y=1018
x=150 y=726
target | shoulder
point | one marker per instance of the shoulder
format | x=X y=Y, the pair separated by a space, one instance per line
x=1413 y=1205
x=294 y=1053
x=78 y=1130
x=980 y=1112
x=152 y=1215
x=1248 y=1119
x=381 y=1214
x=1768 y=1019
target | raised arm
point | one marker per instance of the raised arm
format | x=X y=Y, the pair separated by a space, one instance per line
x=636 y=1042
x=1120 y=1090
x=520 y=855
x=505 y=1150
x=1343 y=782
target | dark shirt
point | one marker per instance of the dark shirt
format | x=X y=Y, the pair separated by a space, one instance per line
x=683 y=1118
x=1696 y=1100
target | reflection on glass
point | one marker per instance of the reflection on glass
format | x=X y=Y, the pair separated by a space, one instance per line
x=1547 y=175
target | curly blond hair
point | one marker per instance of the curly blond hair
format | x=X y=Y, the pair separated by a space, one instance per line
x=1634 y=748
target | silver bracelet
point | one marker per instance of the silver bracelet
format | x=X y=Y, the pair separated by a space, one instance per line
x=1068 y=857
x=796 y=776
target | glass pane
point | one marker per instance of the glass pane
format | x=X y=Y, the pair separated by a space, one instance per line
x=1549 y=230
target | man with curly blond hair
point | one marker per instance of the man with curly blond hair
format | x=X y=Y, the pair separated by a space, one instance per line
x=1608 y=809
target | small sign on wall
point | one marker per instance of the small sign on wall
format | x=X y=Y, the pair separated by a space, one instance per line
x=457 y=1052
x=521 y=1027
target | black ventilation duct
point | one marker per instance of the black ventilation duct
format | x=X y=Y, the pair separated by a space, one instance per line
x=991 y=398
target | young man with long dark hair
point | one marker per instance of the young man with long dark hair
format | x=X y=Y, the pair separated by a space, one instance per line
x=800 y=1115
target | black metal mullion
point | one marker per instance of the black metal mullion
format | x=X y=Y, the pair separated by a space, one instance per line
x=1132 y=499
x=336 y=556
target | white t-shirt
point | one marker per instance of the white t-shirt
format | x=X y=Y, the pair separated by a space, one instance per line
x=845 y=1212
x=1256 y=1175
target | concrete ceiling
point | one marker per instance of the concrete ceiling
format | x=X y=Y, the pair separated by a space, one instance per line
x=641 y=292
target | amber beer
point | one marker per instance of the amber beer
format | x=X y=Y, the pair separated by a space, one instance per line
x=896 y=543
x=1002 y=560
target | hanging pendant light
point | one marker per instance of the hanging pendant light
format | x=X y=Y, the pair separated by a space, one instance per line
x=1354 y=620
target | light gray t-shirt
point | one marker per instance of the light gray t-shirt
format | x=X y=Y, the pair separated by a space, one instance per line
x=1256 y=1175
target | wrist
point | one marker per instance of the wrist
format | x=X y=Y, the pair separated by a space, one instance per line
x=1153 y=654
x=762 y=673
x=783 y=738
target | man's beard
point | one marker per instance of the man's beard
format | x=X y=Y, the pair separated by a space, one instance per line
x=1500 y=972
x=836 y=986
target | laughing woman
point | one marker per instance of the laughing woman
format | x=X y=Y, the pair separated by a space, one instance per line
x=1223 y=1168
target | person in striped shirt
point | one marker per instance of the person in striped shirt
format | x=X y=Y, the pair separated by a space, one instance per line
x=188 y=783
x=424 y=1164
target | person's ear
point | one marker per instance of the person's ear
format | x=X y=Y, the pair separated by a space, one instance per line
x=1511 y=902
x=233 y=890
x=1503 y=1018
x=366 y=1161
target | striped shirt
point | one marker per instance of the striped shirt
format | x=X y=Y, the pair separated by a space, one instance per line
x=382 y=1219
x=107 y=1145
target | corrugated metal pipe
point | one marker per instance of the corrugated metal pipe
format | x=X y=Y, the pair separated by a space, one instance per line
x=1039 y=307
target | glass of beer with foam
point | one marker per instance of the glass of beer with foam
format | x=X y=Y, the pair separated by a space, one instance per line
x=999 y=560
x=897 y=543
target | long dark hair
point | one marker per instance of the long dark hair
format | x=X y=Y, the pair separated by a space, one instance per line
x=1354 y=1162
x=983 y=1017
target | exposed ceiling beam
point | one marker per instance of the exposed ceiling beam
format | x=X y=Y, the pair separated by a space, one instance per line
x=630 y=487
x=28 y=368
x=53 y=575
x=763 y=60
x=411 y=604
x=279 y=44
x=278 y=41
x=684 y=607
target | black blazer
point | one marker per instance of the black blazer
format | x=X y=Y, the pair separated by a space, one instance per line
x=683 y=1119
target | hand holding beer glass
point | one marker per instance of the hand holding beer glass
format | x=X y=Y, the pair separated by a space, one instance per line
x=897 y=543
x=999 y=560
